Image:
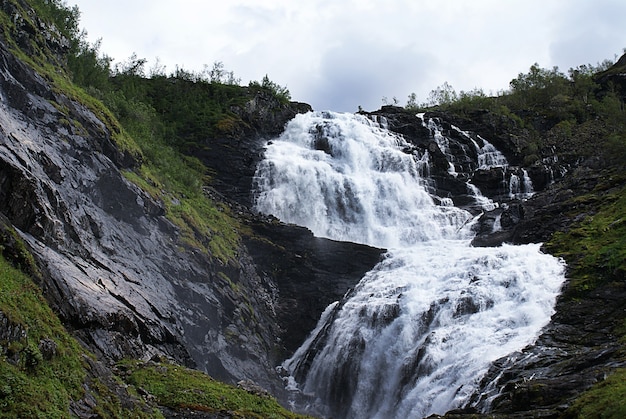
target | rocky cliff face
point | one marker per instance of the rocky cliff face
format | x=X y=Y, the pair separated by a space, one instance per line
x=115 y=269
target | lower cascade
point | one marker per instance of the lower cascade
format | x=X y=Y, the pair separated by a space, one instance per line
x=419 y=331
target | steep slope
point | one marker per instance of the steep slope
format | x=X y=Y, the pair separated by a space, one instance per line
x=115 y=271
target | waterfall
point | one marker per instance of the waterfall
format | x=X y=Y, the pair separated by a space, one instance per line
x=346 y=178
x=442 y=141
x=420 y=330
x=520 y=188
x=488 y=155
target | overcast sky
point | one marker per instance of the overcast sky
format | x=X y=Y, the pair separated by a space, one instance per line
x=341 y=54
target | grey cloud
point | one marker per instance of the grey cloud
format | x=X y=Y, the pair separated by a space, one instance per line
x=589 y=33
x=357 y=73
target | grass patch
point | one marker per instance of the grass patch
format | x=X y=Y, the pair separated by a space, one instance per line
x=595 y=248
x=605 y=400
x=180 y=388
x=32 y=383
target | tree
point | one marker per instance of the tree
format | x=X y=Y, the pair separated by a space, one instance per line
x=282 y=93
x=411 y=102
x=88 y=67
x=538 y=86
x=442 y=95
x=218 y=74
x=134 y=66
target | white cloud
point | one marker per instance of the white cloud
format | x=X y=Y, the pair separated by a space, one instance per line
x=339 y=54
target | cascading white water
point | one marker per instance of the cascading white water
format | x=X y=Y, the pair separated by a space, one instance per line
x=420 y=330
x=442 y=141
x=346 y=178
x=520 y=188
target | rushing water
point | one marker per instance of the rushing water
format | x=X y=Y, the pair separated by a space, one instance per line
x=420 y=330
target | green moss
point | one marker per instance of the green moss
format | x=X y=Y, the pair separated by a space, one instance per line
x=180 y=388
x=595 y=248
x=34 y=386
x=605 y=400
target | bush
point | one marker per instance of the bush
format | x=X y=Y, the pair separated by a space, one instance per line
x=280 y=92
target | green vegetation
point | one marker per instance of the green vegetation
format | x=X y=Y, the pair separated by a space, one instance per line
x=169 y=118
x=180 y=388
x=41 y=366
x=606 y=400
x=595 y=248
x=49 y=48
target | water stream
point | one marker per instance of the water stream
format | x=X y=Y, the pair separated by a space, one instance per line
x=420 y=330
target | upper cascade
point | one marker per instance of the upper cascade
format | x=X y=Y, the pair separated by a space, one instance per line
x=345 y=177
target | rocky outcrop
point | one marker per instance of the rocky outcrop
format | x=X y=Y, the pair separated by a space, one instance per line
x=232 y=159
x=310 y=272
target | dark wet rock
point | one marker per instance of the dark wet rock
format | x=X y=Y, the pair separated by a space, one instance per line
x=233 y=159
x=112 y=265
x=491 y=182
x=310 y=273
x=10 y=332
x=403 y=122
x=48 y=348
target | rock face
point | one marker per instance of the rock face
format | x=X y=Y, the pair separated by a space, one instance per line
x=310 y=272
x=114 y=268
